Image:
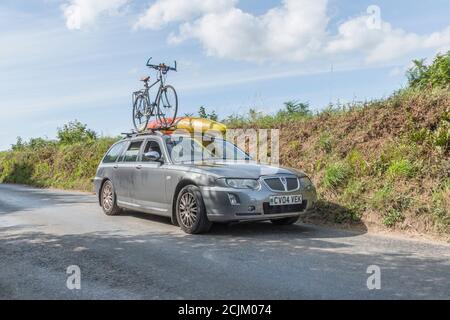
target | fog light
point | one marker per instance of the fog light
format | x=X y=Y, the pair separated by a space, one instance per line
x=234 y=200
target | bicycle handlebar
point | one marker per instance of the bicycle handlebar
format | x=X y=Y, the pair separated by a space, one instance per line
x=161 y=66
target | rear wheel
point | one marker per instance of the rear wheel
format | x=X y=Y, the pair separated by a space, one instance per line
x=141 y=112
x=191 y=211
x=108 y=199
x=167 y=106
x=284 y=221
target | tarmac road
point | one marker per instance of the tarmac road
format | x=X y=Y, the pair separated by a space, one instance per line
x=139 y=256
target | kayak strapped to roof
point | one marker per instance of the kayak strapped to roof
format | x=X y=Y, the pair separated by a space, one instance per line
x=191 y=125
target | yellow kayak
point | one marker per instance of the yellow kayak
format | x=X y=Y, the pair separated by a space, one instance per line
x=192 y=124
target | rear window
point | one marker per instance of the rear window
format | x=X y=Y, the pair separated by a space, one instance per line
x=114 y=153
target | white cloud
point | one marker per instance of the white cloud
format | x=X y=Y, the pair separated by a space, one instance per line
x=83 y=13
x=163 y=12
x=383 y=44
x=293 y=31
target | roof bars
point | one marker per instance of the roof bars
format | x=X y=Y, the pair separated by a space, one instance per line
x=149 y=131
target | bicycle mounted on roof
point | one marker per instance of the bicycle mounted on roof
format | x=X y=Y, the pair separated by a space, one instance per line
x=165 y=105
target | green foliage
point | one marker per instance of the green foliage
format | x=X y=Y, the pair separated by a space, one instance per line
x=19 y=145
x=292 y=111
x=297 y=108
x=441 y=137
x=336 y=175
x=357 y=162
x=75 y=132
x=419 y=136
x=392 y=217
x=382 y=198
x=391 y=204
x=397 y=157
x=401 y=168
x=436 y=75
x=32 y=144
x=352 y=195
x=69 y=163
x=202 y=113
x=325 y=142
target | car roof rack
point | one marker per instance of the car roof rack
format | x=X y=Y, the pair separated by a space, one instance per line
x=156 y=131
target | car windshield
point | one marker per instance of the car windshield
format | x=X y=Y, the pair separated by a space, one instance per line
x=187 y=149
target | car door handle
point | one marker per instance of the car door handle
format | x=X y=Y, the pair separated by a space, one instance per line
x=116 y=166
x=139 y=166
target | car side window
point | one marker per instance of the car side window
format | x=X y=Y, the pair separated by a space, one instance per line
x=114 y=153
x=131 y=155
x=151 y=146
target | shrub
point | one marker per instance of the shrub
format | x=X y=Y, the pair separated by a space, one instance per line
x=356 y=161
x=392 y=217
x=297 y=108
x=353 y=196
x=325 y=142
x=441 y=137
x=205 y=115
x=401 y=168
x=336 y=175
x=419 y=136
x=382 y=198
x=75 y=132
x=436 y=75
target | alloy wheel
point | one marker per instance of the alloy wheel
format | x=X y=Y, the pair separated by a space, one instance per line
x=188 y=209
x=107 y=197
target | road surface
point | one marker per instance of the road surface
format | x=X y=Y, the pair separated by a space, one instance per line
x=139 y=256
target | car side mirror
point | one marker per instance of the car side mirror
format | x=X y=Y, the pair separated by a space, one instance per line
x=152 y=156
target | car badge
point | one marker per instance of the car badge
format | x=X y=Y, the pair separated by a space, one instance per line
x=284 y=182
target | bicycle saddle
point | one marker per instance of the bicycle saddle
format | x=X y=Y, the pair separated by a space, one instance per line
x=145 y=79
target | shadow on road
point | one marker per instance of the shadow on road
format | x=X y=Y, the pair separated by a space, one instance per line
x=219 y=265
x=257 y=229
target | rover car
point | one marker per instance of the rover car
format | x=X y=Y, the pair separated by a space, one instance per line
x=197 y=185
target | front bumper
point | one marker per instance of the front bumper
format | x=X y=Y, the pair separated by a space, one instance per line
x=252 y=204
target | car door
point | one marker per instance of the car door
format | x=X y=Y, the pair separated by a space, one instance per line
x=150 y=178
x=124 y=180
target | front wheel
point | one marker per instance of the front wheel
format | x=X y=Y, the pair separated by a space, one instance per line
x=191 y=211
x=141 y=112
x=167 y=106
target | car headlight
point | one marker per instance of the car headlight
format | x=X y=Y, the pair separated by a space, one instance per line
x=243 y=183
x=305 y=182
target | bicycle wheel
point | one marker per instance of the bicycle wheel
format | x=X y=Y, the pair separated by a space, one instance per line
x=167 y=106
x=141 y=112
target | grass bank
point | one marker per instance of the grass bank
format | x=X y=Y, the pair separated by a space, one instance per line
x=382 y=164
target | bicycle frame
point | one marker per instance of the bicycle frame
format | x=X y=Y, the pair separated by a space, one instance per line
x=147 y=87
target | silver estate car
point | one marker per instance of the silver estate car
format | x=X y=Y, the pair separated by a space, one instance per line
x=196 y=185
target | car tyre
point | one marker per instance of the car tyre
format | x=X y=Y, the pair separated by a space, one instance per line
x=191 y=211
x=285 y=221
x=108 y=199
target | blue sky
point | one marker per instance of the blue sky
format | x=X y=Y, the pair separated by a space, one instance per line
x=80 y=59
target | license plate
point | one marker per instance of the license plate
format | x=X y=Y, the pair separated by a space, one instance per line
x=285 y=200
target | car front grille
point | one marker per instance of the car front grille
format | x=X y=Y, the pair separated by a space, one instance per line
x=276 y=183
x=268 y=209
